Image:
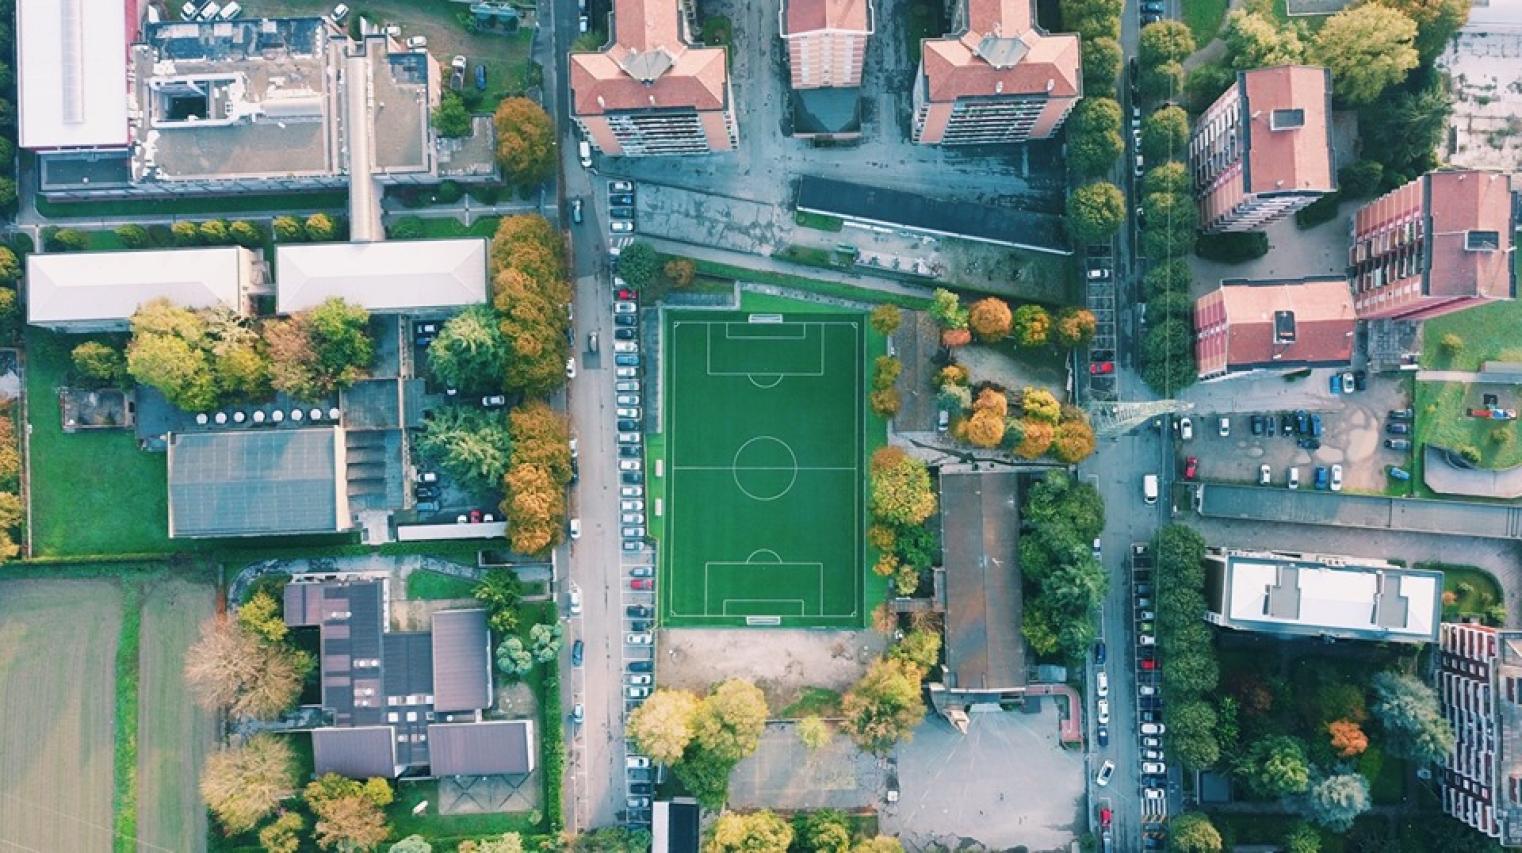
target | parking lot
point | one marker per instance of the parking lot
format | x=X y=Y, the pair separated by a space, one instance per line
x=1353 y=433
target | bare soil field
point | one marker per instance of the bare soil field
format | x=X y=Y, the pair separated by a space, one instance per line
x=782 y=662
x=174 y=733
x=57 y=713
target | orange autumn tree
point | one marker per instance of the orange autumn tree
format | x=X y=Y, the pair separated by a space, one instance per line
x=1348 y=738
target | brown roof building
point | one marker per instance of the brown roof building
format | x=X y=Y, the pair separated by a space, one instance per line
x=650 y=92
x=1269 y=325
x=998 y=78
x=1478 y=674
x=826 y=41
x=1439 y=244
x=1263 y=150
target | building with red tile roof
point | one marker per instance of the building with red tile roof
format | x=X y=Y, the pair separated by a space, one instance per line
x=826 y=41
x=650 y=91
x=997 y=78
x=1272 y=325
x=1441 y=243
x=1263 y=150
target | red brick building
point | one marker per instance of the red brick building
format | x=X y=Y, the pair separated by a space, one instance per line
x=1273 y=325
x=1479 y=682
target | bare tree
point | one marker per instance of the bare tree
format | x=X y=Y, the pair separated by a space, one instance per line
x=229 y=668
x=243 y=784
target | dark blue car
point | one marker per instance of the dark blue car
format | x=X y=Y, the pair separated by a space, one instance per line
x=481 y=77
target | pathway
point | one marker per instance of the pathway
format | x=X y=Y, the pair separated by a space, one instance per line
x=1468 y=377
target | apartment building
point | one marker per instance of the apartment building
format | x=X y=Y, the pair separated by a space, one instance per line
x=1478 y=671
x=1439 y=244
x=1245 y=326
x=1263 y=150
x=998 y=78
x=650 y=92
x=826 y=41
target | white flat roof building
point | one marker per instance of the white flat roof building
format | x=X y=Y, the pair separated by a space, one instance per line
x=1319 y=595
x=72 y=73
x=397 y=276
x=100 y=291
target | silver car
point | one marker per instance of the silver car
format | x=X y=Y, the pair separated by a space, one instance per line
x=634 y=532
x=626 y=399
x=631 y=506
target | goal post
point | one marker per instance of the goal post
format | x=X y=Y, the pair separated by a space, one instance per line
x=763 y=318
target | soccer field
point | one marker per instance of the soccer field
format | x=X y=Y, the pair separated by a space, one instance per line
x=764 y=499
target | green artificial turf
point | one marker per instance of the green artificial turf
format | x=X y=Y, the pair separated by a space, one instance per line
x=763 y=507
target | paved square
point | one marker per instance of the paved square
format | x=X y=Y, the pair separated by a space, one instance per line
x=764 y=510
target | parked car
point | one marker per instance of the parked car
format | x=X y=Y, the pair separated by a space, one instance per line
x=630 y=466
x=639 y=583
x=1153 y=728
x=626 y=360
x=570 y=367
x=621 y=212
x=642 y=572
x=1293 y=478
x=1102 y=735
x=1315 y=426
x=578 y=713
x=417 y=43
x=636 y=762
x=1400 y=414
x=1360 y=380
x=1288 y=424
x=1336 y=383
x=1265 y=474
x=481 y=77
x=637 y=693
x=576 y=210
x=628 y=451
x=631 y=491
x=628 y=385
x=1256 y=424
x=1105 y=772
x=640 y=666
x=626 y=425
x=1323 y=478
x=1191 y=467
x=1102 y=684
x=1224 y=427
x=1099 y=652
x=621 y=199
x=1398 y=428
x=1101 y=368
x=1104 y=711
x=622 y=307
x=624 y=333
x=626 y=400
x=1185 y=428
x=620 y=187
x=625 y=320
x=1398 y=443
x=575 y=527
x=338 y=14
x=619 y=226
x=627 y=412
x=1309 y=443
x=638 y=639
x=1154 y=768
x=1398 y=473
x=578 y=651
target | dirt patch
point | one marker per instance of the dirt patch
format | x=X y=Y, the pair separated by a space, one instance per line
x=417 y=614
x=780 y=662
x=174 y=732
x=57 y=713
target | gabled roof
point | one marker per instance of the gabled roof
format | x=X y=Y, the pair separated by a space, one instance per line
x=395 y=275
x=1002 y=52
x=359 y=753
x=499 y=747
x=1285 y=322
x=256 y=482
x=648 y=65
x=805 y=16
x=1297 y=156
x=461 y=661
x=100 y=287
x=1459 y=203
x=72 y=72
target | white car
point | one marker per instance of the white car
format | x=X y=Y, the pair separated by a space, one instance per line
x=1102 y=683
x=620 y=226
x=1154 y=794
x=1152 y=743
x=339 y=12
x=632 y=518
x=1146 y=640
x=620 y=186
x=188 y=11
x=1104 y=711
x=208 y=11
x=633 y=532
x=626 y=400
x=575 y=601
x=1153 y=728
x=575 y=528
x=1185 y=428
x=631 y=506
x=638 y=692
x=1294 y=478
x=636 y=762
x=1152 y=754
x=640 y=639
x=1154 y=768
x=1265 y=474
x=570 y=368
x=628 y=413
x=640 y=679
x=417 y=43
x=459 y=63
x=1349 y=384
x=1102 y=778
x=626 y=386
x=625 y=372
x=624 y=307
x=1336 y=478
x=1146 y=690
x=630 y=465
x=628 y=438
x=625 y=346
x=573 y=448
x=631 y=492
x=1225 y=428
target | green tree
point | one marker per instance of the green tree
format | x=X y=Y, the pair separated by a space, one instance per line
x=513 y=660
x=1165 y=135
x=473 y=445
x=755 y=832
x=1276 y=766
x=814 y=732
x=546 y=640
x=260 y=616
x=1032 y=325
x=288 y=229
x=10 y=265
x=1410 y=125
x=451 y=119
x=1168 y=357
x=662 y=727
x=284 y=834
x=1094 y=140
x=321 y=350
x=171 y=365
x=7 y=192
x=1164 y=82
x=1408 y=712
x=946 y=308
x=1302 y=838
x=320 y=228
x=99 y=362
x=246 y=234
x=639 y=264
x=1101 y=63
x=406 y=228
x=132 y=236
x=525 y=141
x=1095 y=211
x=1191 y=734
x=64 y=240
x=1254 y=40
x=823 y=831
x=1436 y=22
x=901 y=492
x=349 y=813
x=213 y=232
x=1192 y=832
x=1168 y=178
x=885 y=705
x=1360 y=179
x=411 y=844
x=1334 y=801
x=920 y=647
x=470 y=352
x=1172 y=276
x=1206 y=83
x=705 y=776
x=1368 y=48
x=729 y=721
x=1165 y=41
x=886 y=318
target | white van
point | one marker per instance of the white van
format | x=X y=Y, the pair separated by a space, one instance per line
x=584 y=151
x=1149 y=489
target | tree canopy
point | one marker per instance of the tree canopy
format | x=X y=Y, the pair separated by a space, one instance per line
x=1368 y=48
x=1254 y=40
x=885 y=705
x=470 y=353
x=1165 y=135
x=662 y=726
x=1408 y=712
x=525 y=141
x=1165 y=41
x=752 y=832
x=1095 y=211
x=471 y=444
x=244 y=784
x=901 y=492
x=1094 y=140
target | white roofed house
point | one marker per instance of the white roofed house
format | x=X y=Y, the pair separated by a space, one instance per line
x=100 y=291
x=74 y=94
x=417 y=277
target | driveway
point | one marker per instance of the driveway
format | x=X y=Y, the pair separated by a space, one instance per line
x=1005 y=783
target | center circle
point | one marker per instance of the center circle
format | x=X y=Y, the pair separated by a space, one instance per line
x=765 y=468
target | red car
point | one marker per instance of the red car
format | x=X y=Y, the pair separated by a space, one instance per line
x=475 y=516
x=627 y=295
x=1191 y=467
x=1148 y=663
x=642 y=583
x=1104 y=817
x=1102 y=368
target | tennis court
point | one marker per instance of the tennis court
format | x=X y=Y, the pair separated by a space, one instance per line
x=764 y=501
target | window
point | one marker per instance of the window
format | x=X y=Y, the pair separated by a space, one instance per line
x=1482 y=241
x=1286 y=119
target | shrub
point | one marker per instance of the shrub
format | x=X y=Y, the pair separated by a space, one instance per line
x=407 y=228
x=448 y=192
x=1501 y=435
x=1320 y=211
x=1234 y=247
x=1470 y=453
x=1451 y=344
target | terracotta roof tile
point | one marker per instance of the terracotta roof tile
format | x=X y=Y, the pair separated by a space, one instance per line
x=954 y=71
x=1323 y=320
x=696 y=77
x=1288 y=159
x=1462 y=202
x=804 y=16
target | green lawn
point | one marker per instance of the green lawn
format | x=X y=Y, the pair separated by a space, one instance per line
x=1204 y=18
x=764 y=511
x=818 y=221
x=814 y=701
x=93 y=492
x=1442 y=418
x=439 y=828
x=437 y=585
x=438 y=228
x=1474 y=590
x=1487 y=333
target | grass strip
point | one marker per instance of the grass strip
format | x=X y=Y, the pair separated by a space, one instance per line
x=124 y=801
